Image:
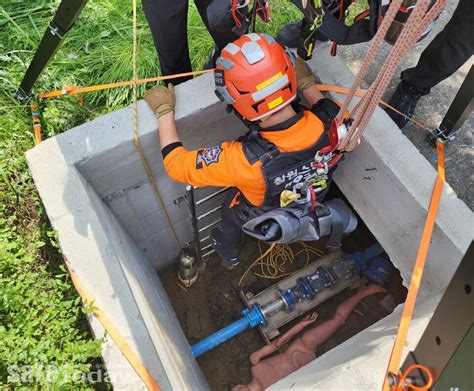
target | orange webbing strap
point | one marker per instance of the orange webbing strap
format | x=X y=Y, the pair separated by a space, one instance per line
x=123 y=346
x=404 y=385
x=360 y=93
x=322 y=87
x=395 y=357
x=36 y=121
x=70 y=90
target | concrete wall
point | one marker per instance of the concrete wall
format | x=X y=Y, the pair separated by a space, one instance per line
x=116 y=274
x=389 y=183
x=112 y=229
x=118 y=177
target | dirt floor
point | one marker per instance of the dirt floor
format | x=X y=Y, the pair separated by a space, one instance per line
x=213 y=302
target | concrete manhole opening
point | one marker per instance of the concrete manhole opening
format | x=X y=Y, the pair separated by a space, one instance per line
x=213 y=302
x=117 y=240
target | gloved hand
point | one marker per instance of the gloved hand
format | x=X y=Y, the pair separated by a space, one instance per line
x=161 y=99
x=304 y=77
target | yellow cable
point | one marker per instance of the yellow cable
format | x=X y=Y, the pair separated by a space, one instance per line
x=272 y=262
x=136 y=139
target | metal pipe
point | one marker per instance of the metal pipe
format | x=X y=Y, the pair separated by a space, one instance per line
x=192 y=211
x=273 y=307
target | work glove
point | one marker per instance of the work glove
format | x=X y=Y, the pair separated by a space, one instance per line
x=304 y=77
x=161 y=99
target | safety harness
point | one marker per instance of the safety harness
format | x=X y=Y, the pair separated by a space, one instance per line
x=306 y=170
x=307 y=174
x=327 y=19
x=287 y=170
x=364 y=26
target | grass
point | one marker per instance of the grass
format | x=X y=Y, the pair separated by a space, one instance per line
x=42 y=321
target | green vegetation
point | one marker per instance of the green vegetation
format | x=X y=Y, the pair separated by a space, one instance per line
x=42 y=320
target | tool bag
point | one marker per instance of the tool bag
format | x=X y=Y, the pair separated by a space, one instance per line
x=299 y=223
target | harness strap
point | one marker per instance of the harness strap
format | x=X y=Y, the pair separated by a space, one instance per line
x=326 y=110
x=337 y=229
x=259 y=149
x=362 y=30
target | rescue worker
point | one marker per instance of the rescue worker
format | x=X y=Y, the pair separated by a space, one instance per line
x=257 y=78
x=168 y=22
x=446 y=53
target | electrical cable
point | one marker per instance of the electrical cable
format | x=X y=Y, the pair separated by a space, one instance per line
x=272 y=262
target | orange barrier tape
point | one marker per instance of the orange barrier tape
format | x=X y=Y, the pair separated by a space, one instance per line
x=71 y=90
x=114 y=333
x=395 y=357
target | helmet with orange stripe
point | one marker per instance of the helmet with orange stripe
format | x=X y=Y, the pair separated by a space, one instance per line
x=255 y=75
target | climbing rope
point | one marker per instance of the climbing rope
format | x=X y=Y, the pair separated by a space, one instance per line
x=417 y=22
x=272 y=262
x=136 y=138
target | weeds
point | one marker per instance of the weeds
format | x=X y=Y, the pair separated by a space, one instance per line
x=41 y=318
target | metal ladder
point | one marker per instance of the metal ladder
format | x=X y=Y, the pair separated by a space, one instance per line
x=201 y=243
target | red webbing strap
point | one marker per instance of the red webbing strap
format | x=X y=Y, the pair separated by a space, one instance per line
x=395 y=357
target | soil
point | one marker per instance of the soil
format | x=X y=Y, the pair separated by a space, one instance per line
x=213 y=302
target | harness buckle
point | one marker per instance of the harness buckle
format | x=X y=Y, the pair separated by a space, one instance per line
x=321 y=163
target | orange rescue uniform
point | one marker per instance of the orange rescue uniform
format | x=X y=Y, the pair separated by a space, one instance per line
x=226 y=165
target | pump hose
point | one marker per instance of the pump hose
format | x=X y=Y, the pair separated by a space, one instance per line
x=251 y=318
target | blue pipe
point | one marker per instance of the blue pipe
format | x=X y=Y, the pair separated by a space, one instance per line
x=251 y=318
x=367 y=263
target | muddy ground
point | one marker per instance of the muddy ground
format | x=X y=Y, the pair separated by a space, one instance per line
x=213 y=302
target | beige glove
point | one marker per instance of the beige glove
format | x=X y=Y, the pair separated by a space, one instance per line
x=304 y=77
x=161 y=99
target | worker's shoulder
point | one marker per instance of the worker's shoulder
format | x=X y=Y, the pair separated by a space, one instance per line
x=311 y=115
x=232 y=149
x=234 y=146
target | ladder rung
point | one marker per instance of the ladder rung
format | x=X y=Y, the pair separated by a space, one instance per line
x=209 y=212
x=208 y=253
x=209 y=225
x=210 y=196
x=206 y=247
